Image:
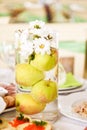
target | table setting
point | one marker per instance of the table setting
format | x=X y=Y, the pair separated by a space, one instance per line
x=37 y=92
x=72 y=101
x=66 y=119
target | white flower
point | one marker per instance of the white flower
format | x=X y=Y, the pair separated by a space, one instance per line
x=42 y=46
x=37 y=38
x=49 y=35
x=26 y=49
x=36 y=29
x=36 y=24
x=36 y=32
x=52 y=37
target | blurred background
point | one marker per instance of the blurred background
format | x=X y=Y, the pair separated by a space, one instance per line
x=68 y=17
x=24 y=11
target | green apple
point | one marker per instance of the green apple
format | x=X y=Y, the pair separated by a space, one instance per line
x=27 y=75
x=45 y=62
x=44 y=91
x=27 y=105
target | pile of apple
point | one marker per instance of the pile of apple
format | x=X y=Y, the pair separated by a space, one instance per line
x=32 y=73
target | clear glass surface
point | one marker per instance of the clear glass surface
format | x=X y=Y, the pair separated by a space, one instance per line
x=37 y=71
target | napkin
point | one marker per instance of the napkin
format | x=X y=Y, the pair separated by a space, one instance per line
x=70 y=81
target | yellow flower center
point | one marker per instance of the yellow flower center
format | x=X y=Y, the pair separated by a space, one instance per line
x=41 y=46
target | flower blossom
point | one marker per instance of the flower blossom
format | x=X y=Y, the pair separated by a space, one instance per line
x=36 y=24
x=42 y=46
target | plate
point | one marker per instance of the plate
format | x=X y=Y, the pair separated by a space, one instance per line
x=74 y=89
x=82 y=88
x=23 y=90
x=9 y=109
x=81 y=80
x=66 y=105
x=69 y=88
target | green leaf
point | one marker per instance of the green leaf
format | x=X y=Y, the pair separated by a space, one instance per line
x=40 y=123
x=20 y=117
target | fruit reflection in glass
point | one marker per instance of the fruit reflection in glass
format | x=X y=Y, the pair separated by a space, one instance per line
x=36 y=71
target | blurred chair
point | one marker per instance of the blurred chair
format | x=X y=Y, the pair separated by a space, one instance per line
x=68 y=63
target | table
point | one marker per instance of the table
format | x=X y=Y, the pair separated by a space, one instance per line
x=63 y=123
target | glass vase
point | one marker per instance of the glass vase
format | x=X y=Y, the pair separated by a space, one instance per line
x=36 y=71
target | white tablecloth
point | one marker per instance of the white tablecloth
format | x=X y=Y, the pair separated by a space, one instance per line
x=65 y=123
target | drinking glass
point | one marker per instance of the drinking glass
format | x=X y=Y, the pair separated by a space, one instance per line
x=36 y=71
x=7 y=62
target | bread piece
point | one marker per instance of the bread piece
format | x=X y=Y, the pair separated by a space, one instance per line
x=9 y=127
x=48 y=126
x=10 y=101
x=3 y=123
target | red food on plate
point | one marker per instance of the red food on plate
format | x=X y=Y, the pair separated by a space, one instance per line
x=85 y=128
x=11 y=88
x=19 y=120
x=34 y=127
x=23 y=122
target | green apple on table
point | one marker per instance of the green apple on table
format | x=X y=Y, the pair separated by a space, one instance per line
x=27 y=75
x=44 y=91
x=45 y=62
x=27 y=105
